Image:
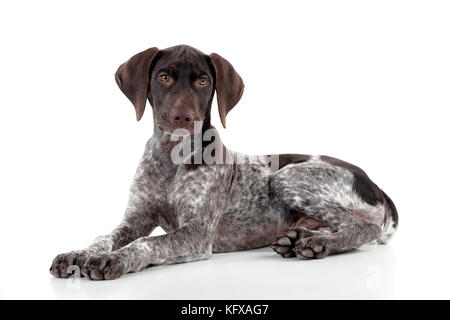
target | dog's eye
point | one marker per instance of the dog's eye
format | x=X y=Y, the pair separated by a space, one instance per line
x=203 y=81
x=164 y=77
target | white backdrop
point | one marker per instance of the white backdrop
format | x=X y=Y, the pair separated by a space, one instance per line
x=365 y=81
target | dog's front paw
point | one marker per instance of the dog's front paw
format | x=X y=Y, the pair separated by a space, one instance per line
x=66 y=264
x=106 y=266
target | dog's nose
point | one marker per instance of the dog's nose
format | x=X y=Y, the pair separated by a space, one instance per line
x=181 y=117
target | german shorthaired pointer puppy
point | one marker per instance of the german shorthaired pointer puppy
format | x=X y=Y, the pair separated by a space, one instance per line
x=216 y=200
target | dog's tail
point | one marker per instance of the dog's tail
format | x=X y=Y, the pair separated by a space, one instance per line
x=390 y=220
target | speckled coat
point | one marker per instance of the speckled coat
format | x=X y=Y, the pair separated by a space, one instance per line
x=306 y=207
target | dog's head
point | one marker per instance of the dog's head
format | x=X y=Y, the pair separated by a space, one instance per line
x=179 y=83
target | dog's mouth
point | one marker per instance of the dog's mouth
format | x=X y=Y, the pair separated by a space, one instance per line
x=178 y=132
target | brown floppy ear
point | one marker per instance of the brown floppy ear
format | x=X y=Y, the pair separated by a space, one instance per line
x=229 y=85
x=133 y=79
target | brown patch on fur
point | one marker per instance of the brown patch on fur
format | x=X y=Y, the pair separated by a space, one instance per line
x=369 y=217
x=308 y=222
x=285 y=159
x=363 y=186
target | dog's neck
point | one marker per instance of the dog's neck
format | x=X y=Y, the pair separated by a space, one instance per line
x=165 y=147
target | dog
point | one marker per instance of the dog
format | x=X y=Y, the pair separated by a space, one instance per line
x=304 y=206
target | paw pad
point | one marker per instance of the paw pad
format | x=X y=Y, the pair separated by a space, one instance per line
x=300 y=242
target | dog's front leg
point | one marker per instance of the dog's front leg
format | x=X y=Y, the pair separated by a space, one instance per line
x=140 y=219
x=189 y=243
x=199 y=200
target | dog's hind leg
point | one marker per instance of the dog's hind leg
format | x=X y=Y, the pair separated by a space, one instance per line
x=286 y=241
x=325 y=193
x=306 y=243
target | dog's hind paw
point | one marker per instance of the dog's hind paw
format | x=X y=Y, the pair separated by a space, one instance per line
x=302 y=243
x=284 y=244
